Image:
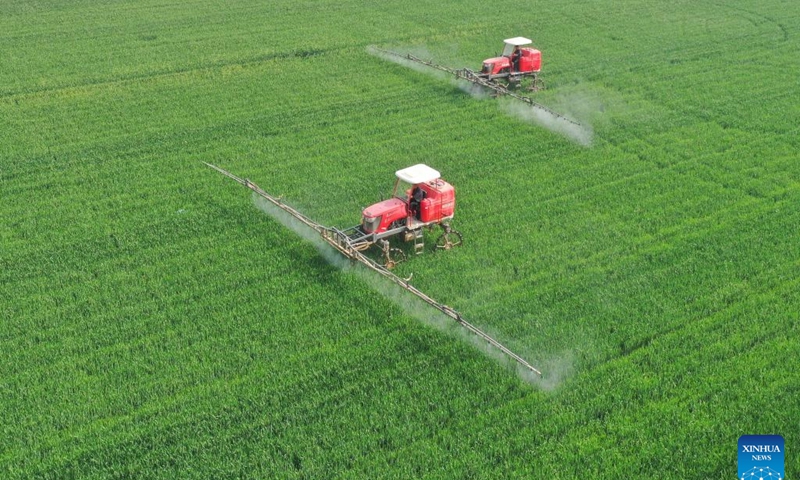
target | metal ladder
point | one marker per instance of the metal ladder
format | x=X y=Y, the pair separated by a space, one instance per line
x=419 y=241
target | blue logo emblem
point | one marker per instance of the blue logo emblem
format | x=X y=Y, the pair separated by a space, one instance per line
x=761 y=457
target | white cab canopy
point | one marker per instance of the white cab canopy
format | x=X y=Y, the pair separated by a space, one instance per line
x=419 y=173
x=517 y=41
x=510 y=43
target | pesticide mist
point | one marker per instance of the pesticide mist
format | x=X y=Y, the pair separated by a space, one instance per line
x=530 y=113
x=304 y=231
x=553 y=370
x=578 y=133
x=419 y=52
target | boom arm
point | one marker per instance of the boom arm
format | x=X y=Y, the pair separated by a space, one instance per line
x=478 y=79
x=351 y=248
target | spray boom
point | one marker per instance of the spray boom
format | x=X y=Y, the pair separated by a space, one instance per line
x=352 y=246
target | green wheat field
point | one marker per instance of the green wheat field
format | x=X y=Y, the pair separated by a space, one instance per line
x=156 y=323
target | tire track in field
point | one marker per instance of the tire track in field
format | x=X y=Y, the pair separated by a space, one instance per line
x=308 y=119
x=155 y=336
x=634 y=60
x=761 y=287
x=754 y=206
x=134 y=142
x=655 y=169
x=302 y=402
x=673 y=366
x=755 y=209
x=699 y=328
x=272 y=57
x=749 y=14
x=187 y=393
x=301 y=54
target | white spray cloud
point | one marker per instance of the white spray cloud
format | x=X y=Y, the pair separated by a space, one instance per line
x=555 y=370
x=530 y=113
x=553 y=373
x=307 y=233
x=420 y=53
x=581 y=134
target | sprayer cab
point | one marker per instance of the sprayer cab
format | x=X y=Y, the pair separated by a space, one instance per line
x=515 y=58
x=420 y=198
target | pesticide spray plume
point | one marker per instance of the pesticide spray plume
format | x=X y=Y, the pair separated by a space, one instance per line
x=471 y=89
x=578 y=133
x=304 y=231
x=402 y=59
x=343 y=249
x=410 y=304
x=480 y=88
x=422 y=312
x=555 y=369
x=406 y=62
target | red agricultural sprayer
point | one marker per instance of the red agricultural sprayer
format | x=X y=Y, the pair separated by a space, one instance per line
x=516 y=68
x=420 y=200
x=425 y=200
x=516 y=63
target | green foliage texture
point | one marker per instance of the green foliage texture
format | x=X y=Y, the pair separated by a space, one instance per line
x=155 y=324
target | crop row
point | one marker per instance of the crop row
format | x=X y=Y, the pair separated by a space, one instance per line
x=155 y=323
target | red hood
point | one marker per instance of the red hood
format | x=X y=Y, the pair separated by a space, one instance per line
x=381 y=208
x=496 y=60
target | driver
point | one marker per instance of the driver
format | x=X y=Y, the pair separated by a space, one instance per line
x=417 y=196
x=515 y=57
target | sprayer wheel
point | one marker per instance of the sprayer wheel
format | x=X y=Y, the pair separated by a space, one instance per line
x=449 y=239
x=393 y=257
x=536 y=85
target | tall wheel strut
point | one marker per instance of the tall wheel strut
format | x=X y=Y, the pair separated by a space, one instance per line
x=449 y=238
